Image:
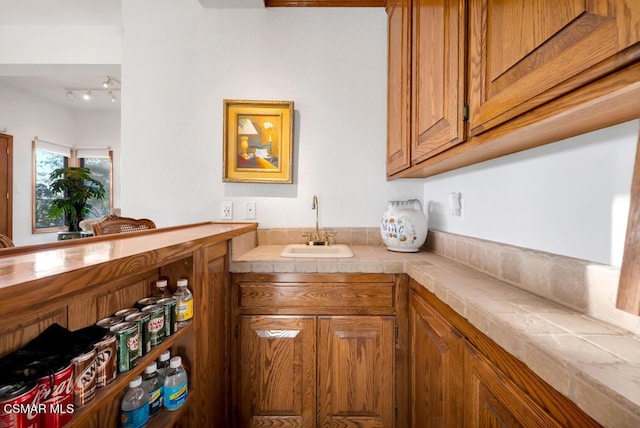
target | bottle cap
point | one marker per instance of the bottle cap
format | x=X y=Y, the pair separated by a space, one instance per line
x=175 y=362
x=165 y=355
x=182 y=283
x=135 y=382
x=151 y=368
x=161 y=283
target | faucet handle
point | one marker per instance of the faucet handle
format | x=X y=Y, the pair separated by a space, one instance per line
x=327 y=236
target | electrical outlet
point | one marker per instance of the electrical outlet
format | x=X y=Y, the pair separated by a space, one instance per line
x=250 y=210
x=227 y=210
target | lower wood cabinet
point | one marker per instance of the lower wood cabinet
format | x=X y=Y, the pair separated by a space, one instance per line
x=460 y=377
x=435 y=368
x=314 y=361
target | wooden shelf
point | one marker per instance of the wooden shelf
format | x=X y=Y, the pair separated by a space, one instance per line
x=121 y=382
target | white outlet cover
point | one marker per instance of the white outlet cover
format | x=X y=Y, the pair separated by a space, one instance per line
x=226 y=212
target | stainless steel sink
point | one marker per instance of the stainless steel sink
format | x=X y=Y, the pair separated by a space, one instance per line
x=303 y=250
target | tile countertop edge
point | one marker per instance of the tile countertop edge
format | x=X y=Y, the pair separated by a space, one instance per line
x=557 y=343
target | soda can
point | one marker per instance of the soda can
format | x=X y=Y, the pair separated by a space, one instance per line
x=109 y=322
x=170 y=321
x=106 y=366
x=16 y=394
x=56 y=393
x=127 y=342
x=126 y=311
x=156 y=323
x=144 y=335
x=147 y=301
x=84 y=378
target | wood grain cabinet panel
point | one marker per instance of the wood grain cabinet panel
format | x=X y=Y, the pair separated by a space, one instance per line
x=399 y=86
x=492 y=400
x=435 y=368
x=277 y=369
x=527 y=52
x=438 y=76
x=355 y=371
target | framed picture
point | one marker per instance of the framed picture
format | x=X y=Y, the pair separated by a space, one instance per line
x=258 y=141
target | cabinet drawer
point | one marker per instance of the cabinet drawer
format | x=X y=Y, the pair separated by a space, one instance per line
x=323 y=296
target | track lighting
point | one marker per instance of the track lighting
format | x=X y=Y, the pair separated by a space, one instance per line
x=109 y=85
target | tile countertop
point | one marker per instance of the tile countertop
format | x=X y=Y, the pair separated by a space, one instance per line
x=595 y=364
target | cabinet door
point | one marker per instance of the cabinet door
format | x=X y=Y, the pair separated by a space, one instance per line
x=399 y=89
x=435 y=368
x=355 y=371
x=438 y=76
x=277 y=371
x=523 y=53
x=492 y=400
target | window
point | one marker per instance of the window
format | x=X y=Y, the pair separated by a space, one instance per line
x=46 y=158
x=100 y=165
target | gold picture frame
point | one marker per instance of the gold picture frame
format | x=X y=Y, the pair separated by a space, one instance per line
x=258 y=141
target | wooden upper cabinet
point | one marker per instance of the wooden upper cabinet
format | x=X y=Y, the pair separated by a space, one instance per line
x=356 y=371
x=399 y=89
x=438 y=79
x=277 y=371
x=524 y=53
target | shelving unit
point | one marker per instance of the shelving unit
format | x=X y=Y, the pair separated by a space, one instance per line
x=115 y=390
x=77 y=284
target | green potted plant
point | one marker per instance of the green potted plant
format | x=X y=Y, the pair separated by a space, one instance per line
x=75 y=187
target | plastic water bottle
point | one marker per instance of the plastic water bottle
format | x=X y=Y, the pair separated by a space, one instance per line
x=175 y=385
x=134 y=409
x=163 y=365
x=151 y=383
x=184 y=303
x=161 y=292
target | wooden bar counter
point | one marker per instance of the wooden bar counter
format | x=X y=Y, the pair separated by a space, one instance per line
x=76 y=283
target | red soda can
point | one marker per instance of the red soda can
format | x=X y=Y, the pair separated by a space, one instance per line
x=19 y=407
x=56 y=393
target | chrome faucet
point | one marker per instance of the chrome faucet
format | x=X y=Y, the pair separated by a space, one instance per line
x=317 y=238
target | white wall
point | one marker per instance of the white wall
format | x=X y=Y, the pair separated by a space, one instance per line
x=183 y=60
x=101 y=129
x=25 y=116
x=569 y=198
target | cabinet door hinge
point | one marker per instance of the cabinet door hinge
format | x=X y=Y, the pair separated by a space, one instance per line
x=396 y=408
x=396 y=331
x=465 y=113
x=237 y=331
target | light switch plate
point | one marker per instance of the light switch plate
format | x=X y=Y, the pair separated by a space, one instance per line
x=250 y=210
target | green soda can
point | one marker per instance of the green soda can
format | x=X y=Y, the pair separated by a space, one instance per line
x=156 y=323
x=170 y=321
x=127 y=340
x=142 y=318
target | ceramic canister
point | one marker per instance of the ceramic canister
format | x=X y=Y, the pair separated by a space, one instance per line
x=404 y=226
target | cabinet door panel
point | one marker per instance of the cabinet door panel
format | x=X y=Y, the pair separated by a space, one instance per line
x=277 y=371
x=399 y=89
x=438 y=76
x=526 y=52
x=355 y=371
x=492 y=400
x=435 y=371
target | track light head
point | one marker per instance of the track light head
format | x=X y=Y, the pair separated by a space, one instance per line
x=87 y=96
x=71 y=96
